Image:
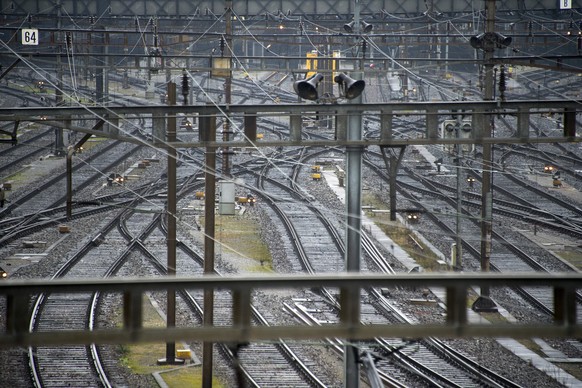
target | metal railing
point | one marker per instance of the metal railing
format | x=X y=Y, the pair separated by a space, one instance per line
x=18 y=293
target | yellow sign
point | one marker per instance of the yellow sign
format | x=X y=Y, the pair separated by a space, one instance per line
x=311 y=64
x=221 y=67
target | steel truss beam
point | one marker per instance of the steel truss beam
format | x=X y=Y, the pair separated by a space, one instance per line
x=432 y=113
x=254 y=8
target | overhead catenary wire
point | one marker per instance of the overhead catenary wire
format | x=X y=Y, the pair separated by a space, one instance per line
x=127 y=132
x=239 y=62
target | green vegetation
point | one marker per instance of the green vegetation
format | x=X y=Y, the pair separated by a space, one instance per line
x=531 y=345
x=142 y=358
x=571 y=368
x=186 y=378
x=93 y=142
x=18 y=178
x=572 y=257
x=242 y=234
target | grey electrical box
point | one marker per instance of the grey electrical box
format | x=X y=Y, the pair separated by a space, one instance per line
x=226 y=198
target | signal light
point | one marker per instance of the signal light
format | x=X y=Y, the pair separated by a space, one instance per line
x=449 y=126
x=467 y=126
x=349 y=88
x=413 y=217
x=467 y=133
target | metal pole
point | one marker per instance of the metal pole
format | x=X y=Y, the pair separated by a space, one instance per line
x=70 y=152
x=59 y=141
x=208 y=125
x=392 y=183
x=171 y=214
x=227 y=88
x=459 y=250
x=350 y=298
x=351 y=307
x=484 y=302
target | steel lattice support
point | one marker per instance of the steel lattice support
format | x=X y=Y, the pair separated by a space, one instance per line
x=256 y=8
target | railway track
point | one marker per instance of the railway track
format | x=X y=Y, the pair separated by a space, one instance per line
x=507 y=256
x=308 y=222
x=439 y=362
x=30 y=147
x=65 y=312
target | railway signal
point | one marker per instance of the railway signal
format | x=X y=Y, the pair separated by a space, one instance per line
x=549 y=168
x=448 y=132
x=462 y=129
x=466 y=132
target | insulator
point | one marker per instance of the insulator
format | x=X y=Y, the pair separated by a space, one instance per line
x=502 y=82
x=222 y=45
x=185 y=86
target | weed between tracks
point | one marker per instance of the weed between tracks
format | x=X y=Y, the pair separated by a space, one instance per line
x=142 y=358
x=243 y=235
x=402 y=235
x=240 y=241
x=573 y=257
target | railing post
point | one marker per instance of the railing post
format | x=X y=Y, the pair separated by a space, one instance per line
x=17 y=314
x=565 y=306
x=457 y=306
x=132 y=311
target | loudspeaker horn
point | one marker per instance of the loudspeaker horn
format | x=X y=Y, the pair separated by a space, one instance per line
x=349 y=27
x=502 y=40
x=349 y=87
x=307 y=89
x=366 y=27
